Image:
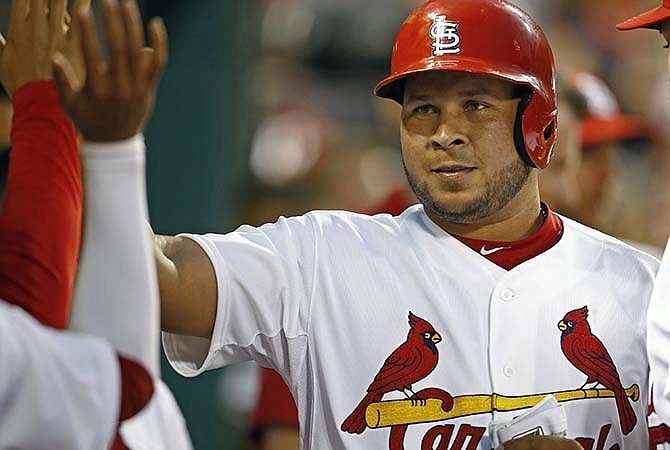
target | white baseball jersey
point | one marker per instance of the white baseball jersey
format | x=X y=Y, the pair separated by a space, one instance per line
x=159 y=426
x=58 y=390
x=332 y=299
x=658 y=347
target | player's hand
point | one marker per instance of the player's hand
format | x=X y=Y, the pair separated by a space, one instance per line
x=70 y=44
x=541 y=443
x=36 y=29
x=116 y=98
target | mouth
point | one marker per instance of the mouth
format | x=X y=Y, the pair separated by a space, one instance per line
x=453 y=171
x=562 y=326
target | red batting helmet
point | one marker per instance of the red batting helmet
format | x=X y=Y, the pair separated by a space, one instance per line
x=489 y=37
x=650 y=19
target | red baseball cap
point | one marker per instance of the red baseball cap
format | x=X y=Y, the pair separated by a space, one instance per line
x=605 y=121
x=650 y=19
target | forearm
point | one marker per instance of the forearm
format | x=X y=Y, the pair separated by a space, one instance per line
x=41 y=220
x=116 y=295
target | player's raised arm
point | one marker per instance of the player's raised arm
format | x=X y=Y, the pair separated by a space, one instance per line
x=41 y=220
x=111 y=107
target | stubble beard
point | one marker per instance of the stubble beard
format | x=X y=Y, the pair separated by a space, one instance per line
x=499 y=190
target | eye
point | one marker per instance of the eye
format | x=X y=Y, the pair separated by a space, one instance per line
x=425 y=109
x=474 y=105
x=571 y=323
x=426 y=335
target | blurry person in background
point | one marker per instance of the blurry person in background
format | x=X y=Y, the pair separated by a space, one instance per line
x=603 y=129
x=585 y=182
x=559 y=186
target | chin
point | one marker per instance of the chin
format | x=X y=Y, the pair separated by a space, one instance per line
x=463 y=208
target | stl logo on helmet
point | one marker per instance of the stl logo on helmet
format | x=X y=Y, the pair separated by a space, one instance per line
x=446 y=37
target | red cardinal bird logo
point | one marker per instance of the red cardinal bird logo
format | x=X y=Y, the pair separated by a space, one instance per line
x=588 y=354
x=409 y=363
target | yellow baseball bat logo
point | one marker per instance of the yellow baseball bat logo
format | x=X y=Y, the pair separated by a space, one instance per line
x=407 y=412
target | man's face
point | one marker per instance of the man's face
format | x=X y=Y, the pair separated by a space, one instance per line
x=458 y=145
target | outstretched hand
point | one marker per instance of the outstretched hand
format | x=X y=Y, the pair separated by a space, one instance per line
x=115 y=99
x=36 y=29
x=542 y=443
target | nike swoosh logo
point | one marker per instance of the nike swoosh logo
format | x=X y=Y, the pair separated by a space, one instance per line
x=486 y=252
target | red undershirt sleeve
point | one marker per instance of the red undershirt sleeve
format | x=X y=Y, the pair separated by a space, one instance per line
x=40 y=222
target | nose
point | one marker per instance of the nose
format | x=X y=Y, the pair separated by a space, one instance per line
x=448 y=134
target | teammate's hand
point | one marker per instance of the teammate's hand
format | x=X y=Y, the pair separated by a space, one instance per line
x=70 y=44
x=541 y=443
x=36 y=29
x=115 y=100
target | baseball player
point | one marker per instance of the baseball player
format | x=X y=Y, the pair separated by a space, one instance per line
x=658 y=326
x=418 y=330
x=589 y=117
x=654 y=19
x=76 y=379
x=110 y=174
x=58 y=389
x=579 y=181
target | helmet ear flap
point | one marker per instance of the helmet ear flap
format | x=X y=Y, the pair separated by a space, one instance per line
x=519 y=140
x=549 y=131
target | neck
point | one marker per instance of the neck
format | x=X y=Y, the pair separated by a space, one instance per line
x=519 y=219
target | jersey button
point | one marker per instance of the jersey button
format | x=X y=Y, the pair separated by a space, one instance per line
x=508 y=371
x=507 y=295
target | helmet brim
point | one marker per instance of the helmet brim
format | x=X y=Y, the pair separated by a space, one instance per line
x=651 y=19
x=392 y=86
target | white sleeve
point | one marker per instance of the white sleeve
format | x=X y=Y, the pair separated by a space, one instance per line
x=264 y=277
x=58 y=390
x=160 y=425
x=116 y=294
x=658 y=338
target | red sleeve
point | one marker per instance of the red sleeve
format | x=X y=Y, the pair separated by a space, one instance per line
x=137 y=387
x=40 y=224
x=275 y=406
